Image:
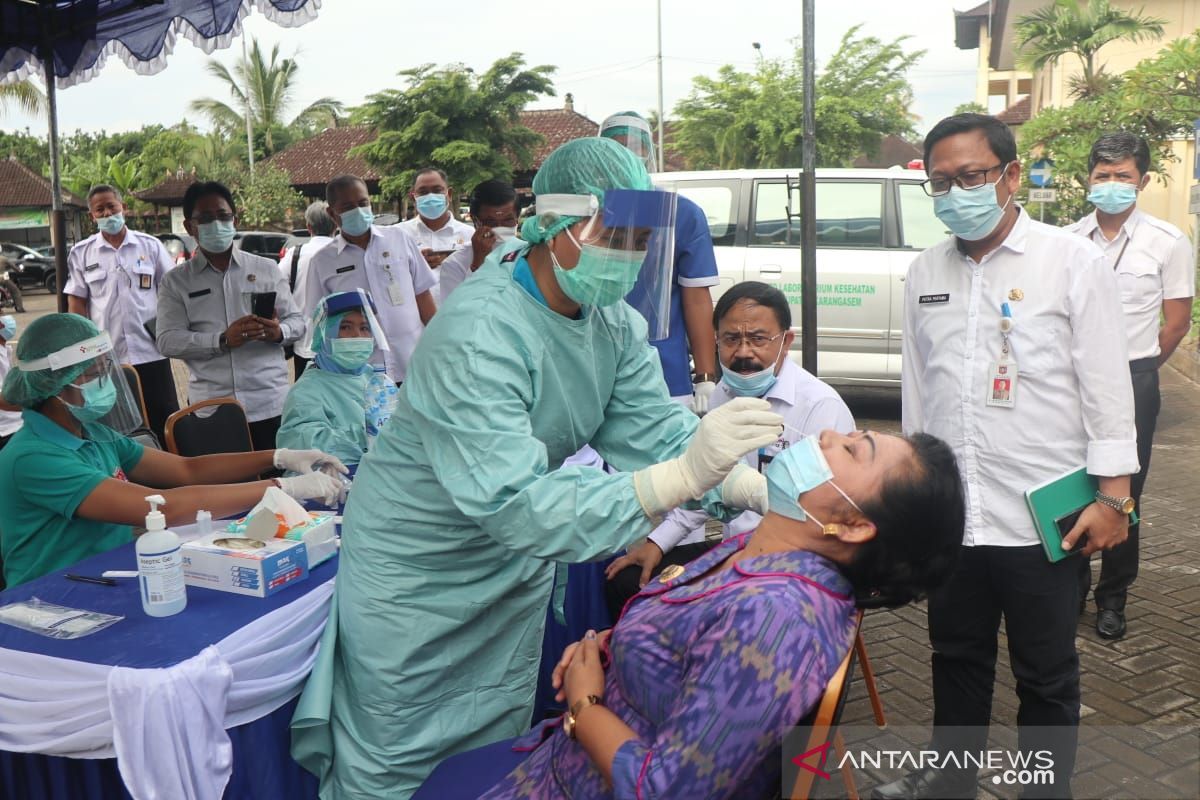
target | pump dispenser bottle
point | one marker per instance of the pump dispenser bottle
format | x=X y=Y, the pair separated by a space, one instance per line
x=160 y=565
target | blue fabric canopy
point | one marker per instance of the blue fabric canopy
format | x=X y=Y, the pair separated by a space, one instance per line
x=82 y=33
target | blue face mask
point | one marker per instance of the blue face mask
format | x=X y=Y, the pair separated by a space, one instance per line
x=798 y=469
x=1113 y=197
x=431 y=206
x=111 y=225
x=99 y=396
x=756 y=384
x=8 y=327
x=351 y=353
x=216 y=236
x=357 y=221
x=971 y=214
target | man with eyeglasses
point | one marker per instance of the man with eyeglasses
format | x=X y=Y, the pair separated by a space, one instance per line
x=207 y=316
x=495 y=209
x=753 y=322
x=113 y=279
x=1013 y=354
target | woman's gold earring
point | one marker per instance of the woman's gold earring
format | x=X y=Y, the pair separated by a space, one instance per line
x=831 y=529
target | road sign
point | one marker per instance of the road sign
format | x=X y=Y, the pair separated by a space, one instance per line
x=1042 y=195
x=1041 y=172
x=1194 y=200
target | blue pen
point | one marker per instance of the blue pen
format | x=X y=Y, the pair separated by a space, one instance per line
x=1005 y=310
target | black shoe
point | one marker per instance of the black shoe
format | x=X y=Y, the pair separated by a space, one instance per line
x=1082 y=605
x=927 y=783
x=1110 y=623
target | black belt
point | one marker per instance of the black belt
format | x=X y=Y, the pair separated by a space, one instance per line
x=1144 y=364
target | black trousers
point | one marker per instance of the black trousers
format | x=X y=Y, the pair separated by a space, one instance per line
x=158 y=390
x=624 y=584
x=1038 y=601
x=299 y=362
x=262 y=433
x=1119 y=566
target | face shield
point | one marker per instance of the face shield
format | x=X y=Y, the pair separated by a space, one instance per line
x=626 y=250
x=350 y=354
x=100 y=394
x=633 y=133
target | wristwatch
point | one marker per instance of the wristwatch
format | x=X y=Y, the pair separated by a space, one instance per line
x=1123 y=504
x=701 y=377
x=580 y=705
x=222 y=342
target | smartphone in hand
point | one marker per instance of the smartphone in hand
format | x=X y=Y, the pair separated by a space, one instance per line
x=262 y=304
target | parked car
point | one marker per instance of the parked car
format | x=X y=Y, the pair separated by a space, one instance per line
x=180 y=246
x=871 y=224
x=268 y=244
x=28 y=267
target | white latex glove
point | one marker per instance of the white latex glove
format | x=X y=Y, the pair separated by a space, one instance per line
x=309 y=461
x=700 y=394
x=313 y=486
x=740 y=426
x=745 y=488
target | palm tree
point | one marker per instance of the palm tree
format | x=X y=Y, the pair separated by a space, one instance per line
x=1068 y=26
x=24 y=94
x=271 y=86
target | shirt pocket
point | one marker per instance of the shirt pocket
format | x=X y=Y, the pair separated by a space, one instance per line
x=96 y=279
x=143 y=277
x=1138 y=281
x=1041 y=344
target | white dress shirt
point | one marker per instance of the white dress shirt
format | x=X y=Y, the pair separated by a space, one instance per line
x=1155 y=265
x=121 y=287
x=806 y=403
x=10 y=421
x=307 y=249
x=454 y=235
x=197 y=303
x=1073 y=397
x=392 y=259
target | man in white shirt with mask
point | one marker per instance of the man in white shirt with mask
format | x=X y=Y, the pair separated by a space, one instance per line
x=437 y=232
x=1152 y=260
x=754 y=334
x=1014 y=355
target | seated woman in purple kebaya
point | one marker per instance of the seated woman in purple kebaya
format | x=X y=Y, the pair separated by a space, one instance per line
x=711 y=664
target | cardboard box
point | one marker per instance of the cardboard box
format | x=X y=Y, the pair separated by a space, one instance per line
x=237 y=564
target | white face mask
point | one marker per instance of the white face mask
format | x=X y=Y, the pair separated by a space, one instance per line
x=504 y=234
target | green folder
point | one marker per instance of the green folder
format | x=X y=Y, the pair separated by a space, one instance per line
x=1057 y=500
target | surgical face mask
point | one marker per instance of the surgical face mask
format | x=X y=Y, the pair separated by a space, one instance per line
x=352 y=352
x=1112 y=197
x=357 y=221
x=99 y=396
x=971 y=214
x=431 y=206
x=756 y=384
x=8 y=327
x=504 y=234
x=602 y=277
x=112 y=224
x=799 y=468
x=216 y=236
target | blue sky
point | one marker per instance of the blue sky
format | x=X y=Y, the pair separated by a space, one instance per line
x=604 y=53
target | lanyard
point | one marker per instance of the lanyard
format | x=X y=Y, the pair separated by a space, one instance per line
x=1122 y=253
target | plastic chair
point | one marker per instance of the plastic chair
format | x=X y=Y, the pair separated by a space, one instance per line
x=225 y=430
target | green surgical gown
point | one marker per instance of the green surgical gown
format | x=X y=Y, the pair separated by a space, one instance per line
x=326 y=411
x=455 y=520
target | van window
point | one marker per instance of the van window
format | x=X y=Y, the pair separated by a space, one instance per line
x=716 y=200
x=849 y=214
x=770 y=217
x=920 y=227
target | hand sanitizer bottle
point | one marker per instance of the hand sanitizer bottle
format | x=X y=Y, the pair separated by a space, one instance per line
x=160 y=565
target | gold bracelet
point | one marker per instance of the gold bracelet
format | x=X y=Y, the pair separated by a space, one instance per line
x=570 y=718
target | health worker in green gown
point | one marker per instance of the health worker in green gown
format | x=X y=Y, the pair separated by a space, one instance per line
x=340 y=404
x=460 y=511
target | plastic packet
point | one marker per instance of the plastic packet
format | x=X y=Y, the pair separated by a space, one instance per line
x=57 y=622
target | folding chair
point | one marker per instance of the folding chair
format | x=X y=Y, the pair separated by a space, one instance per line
x=225 y=430
x=142 y=433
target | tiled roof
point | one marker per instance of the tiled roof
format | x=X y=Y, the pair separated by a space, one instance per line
x=21 y=186
x=893 y=151
x=169 y=191
x=557 y=126
x=315 y=161
x=1016 y=114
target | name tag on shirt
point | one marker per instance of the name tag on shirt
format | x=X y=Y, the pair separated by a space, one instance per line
x=926 y=299
x=395 y=294
x=349 y=268
x=145 y=281
x=200 y=293
x=91 y=267
x=1002 y=385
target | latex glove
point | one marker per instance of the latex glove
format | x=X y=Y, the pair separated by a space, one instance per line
x=313 y=486
x=725 y=434
x=745 y=488
x=309 y=461
x=700 y=394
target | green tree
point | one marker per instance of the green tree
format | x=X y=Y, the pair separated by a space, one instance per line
x=970 y=108
x=30 y=150
x=464 y=122
x=1071 y=26
x=755 y=119
x=268 y=199
x=171 y=150
x=270 y=86
x=25 y=95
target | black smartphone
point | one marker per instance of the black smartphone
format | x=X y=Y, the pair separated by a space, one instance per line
x=1065 y=524
x=262 y=304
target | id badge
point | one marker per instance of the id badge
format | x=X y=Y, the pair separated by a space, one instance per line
x=395 y=294
x=1002 y=385
x=146 y=281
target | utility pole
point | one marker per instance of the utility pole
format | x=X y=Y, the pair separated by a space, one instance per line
x=808 y=201
x=661 y=122
x=246 y=92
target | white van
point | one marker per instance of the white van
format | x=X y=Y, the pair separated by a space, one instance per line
x=871 y=224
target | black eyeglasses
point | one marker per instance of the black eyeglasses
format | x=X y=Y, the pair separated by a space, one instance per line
x=204 y=219
x=972 y=179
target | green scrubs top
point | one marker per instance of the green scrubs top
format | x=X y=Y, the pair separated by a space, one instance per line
x=455 y=521
x=326 y=411
x=45 y=473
